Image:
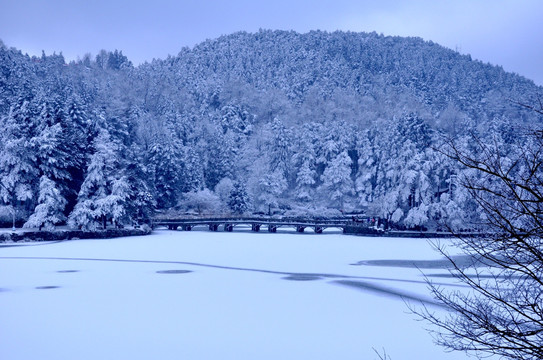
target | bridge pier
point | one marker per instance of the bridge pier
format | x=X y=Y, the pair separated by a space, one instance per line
x=213 y=227
x=228 y=227
x=255 y=227
x=187 y=227
x=172 y=227
x=272 y=228
x=300 y=229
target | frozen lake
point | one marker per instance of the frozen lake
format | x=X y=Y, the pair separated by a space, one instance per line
x=206 y=295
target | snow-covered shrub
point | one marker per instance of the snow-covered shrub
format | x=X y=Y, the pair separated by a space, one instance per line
x=203 y=201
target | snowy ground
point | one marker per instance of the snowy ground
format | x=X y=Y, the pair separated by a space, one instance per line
x=205 y=295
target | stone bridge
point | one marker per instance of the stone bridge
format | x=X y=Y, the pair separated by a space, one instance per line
x=255 y=223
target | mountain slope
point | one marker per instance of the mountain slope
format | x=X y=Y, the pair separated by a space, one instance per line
x=281 y=120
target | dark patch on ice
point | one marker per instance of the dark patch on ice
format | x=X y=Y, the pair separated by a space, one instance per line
x=222 y=267
x=302 y=277
x=47 y=287
x=68 y=271
x=3 y=290
x=173 y=271
x=388 y=291
x=463 y=261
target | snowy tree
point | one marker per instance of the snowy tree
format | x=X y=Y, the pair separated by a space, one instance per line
x=79 y=130
x=239 y=201
x=236 y=119
x=203 y=201
x=417 y=216
x=304 y=160
x=389 y=206
x=18 y=171
x=118 y=202
x=305 y=179
x=55 y=158
x=222 y=158
x=272 y=186
x=165 y=157
x=280 y=150
x=413 y=128
x=337 y=184
x=102 y=194
x=224 y=188
x=51 y=204
x=141 y=203
x=192 y=169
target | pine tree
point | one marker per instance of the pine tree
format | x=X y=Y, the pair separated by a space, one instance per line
x=51 y=204
x=165 y=159
x=222 y=158
x=192 y=170
x=119 y=201
x=337 y=183
x=239 y=201
x=18 y=170
x=280 y=151
x=141 y=204
x=95 y=199
x=305 y=179
x=305 y=161
x=55 y=158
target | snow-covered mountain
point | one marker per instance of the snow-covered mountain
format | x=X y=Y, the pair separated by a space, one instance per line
x=252 y=122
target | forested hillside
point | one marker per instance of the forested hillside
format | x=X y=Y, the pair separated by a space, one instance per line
x=310 y=123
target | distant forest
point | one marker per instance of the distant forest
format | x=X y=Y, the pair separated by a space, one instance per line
x=268 y=122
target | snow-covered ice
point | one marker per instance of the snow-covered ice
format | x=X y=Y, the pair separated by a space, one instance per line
x=206 y=295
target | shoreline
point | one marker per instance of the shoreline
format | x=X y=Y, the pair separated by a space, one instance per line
x=57 y=235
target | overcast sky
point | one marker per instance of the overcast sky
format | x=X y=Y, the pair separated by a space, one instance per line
x=503 y=32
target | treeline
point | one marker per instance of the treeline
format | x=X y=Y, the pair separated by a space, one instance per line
x=273 y=121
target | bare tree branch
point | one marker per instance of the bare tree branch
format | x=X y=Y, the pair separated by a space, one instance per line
x=502 y=314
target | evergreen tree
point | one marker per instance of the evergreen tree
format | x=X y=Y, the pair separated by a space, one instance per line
x=305 y=161
x=192 y=169
x=222 y=158
x=280 y=151
x=305 y=179
x=51 y=204
x=239 y=201
x=96 y=199
x=55 y=158
x=18 y=171
x=141 y=203
x=165 y=159
x=337 y=183
x=118 y=203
